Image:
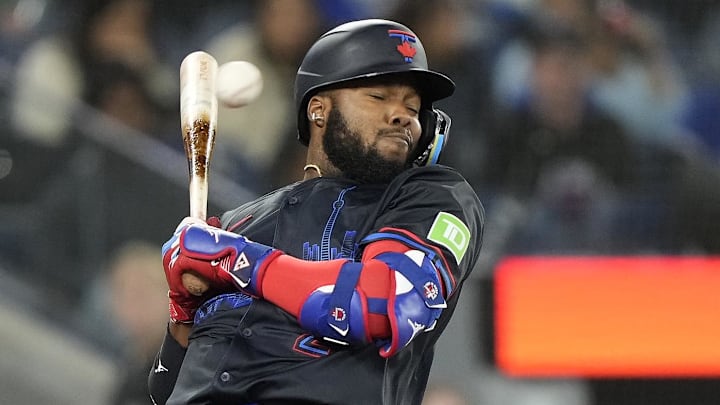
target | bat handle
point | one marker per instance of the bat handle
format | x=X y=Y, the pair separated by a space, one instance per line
x=193 y=282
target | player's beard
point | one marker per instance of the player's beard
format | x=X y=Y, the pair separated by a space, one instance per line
x=346 y=151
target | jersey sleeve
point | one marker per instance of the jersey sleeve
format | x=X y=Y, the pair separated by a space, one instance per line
x=433 y=209
x=165 y=370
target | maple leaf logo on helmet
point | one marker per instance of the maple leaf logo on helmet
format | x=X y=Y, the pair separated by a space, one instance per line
x=405 y=48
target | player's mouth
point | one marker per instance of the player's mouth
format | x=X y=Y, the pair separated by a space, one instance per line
x=401 y=135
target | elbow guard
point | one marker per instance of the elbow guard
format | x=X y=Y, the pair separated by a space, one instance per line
x=339 y=313
x=415 y=300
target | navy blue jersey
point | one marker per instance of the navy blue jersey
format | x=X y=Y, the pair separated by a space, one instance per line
x=250 y=351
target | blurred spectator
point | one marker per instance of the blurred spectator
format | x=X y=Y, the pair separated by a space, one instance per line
x=703 y=114
x=555 y=152
x=250 y=139
x=455 y=39
x=19 y=22
x=45 y=98
x=119 y=92
x=684 y=18
x=337 y=12
x=184 y=26
x=512 y=63
x=635 y=78
x=136 y=202
x=85 y=196
x=121 y=313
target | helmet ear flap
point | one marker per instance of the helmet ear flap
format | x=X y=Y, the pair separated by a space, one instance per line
x=435 y=125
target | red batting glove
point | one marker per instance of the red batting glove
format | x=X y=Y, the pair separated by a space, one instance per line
x=182 y=304
x=182 y=307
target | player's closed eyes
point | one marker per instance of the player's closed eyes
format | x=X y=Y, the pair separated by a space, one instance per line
x=380 y=97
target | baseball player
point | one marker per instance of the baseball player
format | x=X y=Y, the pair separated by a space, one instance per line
x=334 y=289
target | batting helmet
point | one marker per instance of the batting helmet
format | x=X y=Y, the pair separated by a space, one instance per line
x=371 y=48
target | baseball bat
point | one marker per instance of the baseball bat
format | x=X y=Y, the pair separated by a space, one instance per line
x=198 y=116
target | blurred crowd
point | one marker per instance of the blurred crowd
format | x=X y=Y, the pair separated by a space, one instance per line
x=585 y=126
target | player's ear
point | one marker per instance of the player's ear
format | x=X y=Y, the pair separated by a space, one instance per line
x=317 y=111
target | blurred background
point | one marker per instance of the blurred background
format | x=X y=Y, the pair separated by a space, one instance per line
x=589 y=128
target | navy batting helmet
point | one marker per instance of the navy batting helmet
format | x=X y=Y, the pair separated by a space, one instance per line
x=370 y=48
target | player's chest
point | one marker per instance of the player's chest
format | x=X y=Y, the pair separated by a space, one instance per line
x=319 y=223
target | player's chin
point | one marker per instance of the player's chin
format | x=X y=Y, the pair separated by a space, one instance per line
x=394 y=149
x=398 y=158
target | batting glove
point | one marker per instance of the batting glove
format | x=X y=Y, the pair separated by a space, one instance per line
x=182 y=304
x=228 y=261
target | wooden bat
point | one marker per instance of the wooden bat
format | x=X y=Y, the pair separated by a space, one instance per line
x=198 y=119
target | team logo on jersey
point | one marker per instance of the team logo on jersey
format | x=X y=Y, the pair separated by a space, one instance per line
x=324 y=250
x=431 y=290
x=449 y=231
x=406 y=40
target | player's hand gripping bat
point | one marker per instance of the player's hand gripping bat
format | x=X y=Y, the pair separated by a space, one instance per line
x=198 y=116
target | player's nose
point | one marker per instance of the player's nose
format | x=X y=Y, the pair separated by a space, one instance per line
x=401 y=116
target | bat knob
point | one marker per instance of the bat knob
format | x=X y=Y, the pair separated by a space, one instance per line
x=194 y=284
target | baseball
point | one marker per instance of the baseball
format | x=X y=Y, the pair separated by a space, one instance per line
x=238 y=83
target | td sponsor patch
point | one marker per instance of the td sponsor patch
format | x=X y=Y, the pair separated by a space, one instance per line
x=449 y=231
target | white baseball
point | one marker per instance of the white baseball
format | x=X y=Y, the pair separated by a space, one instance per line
x=238 y=83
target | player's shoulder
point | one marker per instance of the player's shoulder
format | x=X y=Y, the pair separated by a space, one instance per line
x=432 y=173
x=438 y=206
x=432 y=176
x=438 y=186
x=443 y=182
